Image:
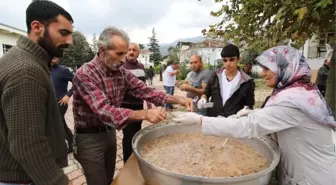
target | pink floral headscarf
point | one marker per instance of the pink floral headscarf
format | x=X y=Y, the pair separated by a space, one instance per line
x=293 y=84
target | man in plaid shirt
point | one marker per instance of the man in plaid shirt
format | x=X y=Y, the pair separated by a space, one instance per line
x=98 y=90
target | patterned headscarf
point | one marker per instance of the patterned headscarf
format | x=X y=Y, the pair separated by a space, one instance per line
x=293 y=86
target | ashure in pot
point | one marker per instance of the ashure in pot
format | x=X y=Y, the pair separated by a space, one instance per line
x=155 y=175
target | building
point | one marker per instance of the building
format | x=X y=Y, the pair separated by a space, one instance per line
x=209 y=50
x=8 y=37
x=317 y=47
x=144 y=58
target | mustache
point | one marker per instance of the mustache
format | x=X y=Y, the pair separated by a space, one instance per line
x=63 y=46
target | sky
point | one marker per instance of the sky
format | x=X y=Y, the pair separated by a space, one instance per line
x=172 y=19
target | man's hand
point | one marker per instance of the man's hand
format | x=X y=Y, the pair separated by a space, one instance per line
x=155 y=115
x=186 y=102
x=186 y=118
x=149 y=105
x=64 y=100
x=185 y=87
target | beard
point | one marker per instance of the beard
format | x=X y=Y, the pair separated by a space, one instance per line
x=111 y=64
x=46 y=43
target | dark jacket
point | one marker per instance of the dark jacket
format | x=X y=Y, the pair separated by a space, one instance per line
x=60 y=76
x=129 y=100
x=322 y=75
x=150 y=73
x=244 y=95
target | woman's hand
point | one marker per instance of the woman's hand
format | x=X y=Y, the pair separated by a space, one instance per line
x=186 y=118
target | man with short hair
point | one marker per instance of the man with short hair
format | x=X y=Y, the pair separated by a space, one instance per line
x=169 y=80
x=131 y=102
x=196 y=81
x=99 y=88
x=32 y=144
x=230 y=89
x=61 y=76
x=150 y=74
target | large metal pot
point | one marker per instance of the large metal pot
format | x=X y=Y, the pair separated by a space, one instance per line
x=154 y=175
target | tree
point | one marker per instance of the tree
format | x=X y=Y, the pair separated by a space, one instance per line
x=78 y=53
x=154 y=47
x=94 y=44
x=263 y=24
x=331 y=84
x=141 y=46
x=173 y=53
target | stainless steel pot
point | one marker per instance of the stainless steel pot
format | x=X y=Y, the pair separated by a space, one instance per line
x=154 y=175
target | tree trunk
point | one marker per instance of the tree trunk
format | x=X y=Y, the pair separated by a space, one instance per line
x=160 y=73
x=331 y=81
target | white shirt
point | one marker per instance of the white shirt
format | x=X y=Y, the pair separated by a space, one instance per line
x=167 y=79
x=229 y=87
x=308 y=154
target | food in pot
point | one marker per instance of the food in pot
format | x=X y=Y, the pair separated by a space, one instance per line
x=199 y=155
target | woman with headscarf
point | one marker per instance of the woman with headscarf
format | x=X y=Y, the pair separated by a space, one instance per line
x=296 y=112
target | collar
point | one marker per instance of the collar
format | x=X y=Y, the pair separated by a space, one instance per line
x=43 y=58
x=132 y=63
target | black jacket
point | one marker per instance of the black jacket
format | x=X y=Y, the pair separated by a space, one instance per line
x=241 y=97
x=322 y=75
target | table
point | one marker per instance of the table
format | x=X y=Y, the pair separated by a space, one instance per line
x=130 y=174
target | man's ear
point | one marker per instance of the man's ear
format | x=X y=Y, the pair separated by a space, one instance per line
x=37 y=28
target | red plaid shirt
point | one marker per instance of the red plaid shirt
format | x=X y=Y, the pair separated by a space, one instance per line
x=98 y=93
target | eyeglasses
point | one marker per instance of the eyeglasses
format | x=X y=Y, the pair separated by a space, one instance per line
x=231 y=59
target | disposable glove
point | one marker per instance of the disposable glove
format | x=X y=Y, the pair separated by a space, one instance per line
x=201 y=103
x=186 y=118
x=244 y=112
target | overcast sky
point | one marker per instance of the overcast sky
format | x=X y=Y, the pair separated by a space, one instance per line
x=172 y=19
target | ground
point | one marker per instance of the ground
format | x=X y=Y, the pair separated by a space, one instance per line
x=74 y=170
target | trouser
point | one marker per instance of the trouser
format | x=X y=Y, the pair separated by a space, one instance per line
x=150 y=81
x=68 y=133
x=130 y=130
x=96 y=153
x=169 y=90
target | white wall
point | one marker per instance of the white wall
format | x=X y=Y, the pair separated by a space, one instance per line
x=209 y=55
x=7 y=38
x=145 y=60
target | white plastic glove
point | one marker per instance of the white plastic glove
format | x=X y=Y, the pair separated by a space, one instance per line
x=234 y=116
x=244 y=112
x=201 y=103
x=186 y=118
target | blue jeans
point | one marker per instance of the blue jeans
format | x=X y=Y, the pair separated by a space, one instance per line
x=169 y=90
x=1 y=183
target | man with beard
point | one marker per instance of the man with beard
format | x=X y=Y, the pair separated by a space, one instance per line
x=61 y=76
x=32 y=144
x=99 y=88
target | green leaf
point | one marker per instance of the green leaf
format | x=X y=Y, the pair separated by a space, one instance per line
x=315 y=15
x=301 y=12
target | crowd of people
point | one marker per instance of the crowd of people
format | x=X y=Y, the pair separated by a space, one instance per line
x=109 y=94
